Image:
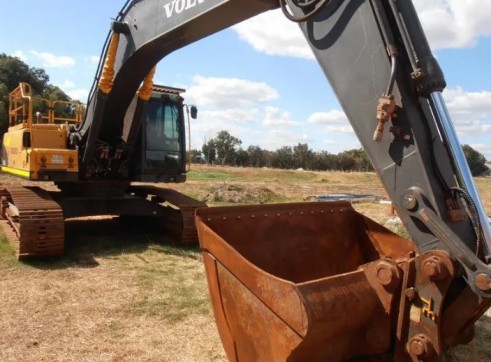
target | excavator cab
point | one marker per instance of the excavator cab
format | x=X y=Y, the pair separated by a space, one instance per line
x=162 y=150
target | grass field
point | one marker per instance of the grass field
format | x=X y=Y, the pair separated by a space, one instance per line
x=121 y=293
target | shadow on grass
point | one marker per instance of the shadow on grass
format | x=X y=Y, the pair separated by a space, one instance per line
x=87 y=240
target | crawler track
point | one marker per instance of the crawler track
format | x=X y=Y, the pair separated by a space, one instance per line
x=184 y=230
x=32 y=221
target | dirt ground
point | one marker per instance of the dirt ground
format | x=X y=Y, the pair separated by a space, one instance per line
x=124 y=293
x=117 y=295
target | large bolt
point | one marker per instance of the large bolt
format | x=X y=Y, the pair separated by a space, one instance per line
x=386 y=273
x=420 y=346
x=434 y=268
x=483 y=282
x=417 y=348
x=410 y=293
x=409 y=202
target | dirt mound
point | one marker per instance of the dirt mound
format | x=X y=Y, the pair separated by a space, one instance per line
x=240 y=194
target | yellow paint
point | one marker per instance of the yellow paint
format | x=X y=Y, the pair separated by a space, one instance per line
x=48 y=142
x=106 y=80
x=428 y=309
x=16 y=172
x=145 y=91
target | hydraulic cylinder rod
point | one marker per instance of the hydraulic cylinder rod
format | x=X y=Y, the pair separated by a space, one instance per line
x=462 y=170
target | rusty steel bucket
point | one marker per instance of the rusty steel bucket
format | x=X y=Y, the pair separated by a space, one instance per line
x=300 y=282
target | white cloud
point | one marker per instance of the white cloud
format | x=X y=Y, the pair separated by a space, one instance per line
x=20 y=54
x=277 y=138
x=470 y=111
x=224 y=117
x=482 y=148
x=93 y=59
x=338 y=128
x=229 y=93
x=271 y=33
x=67 y=84
x=50 y=60
x=70 y=88
x=334 y=121
x=454 y=23
x=447 y=23
x=329 y=118
x=276 y=117
x=79 y=94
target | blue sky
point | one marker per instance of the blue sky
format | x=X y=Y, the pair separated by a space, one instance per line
x=258 y=79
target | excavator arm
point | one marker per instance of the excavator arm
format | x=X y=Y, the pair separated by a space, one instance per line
x=376 y=57
x=147 y=31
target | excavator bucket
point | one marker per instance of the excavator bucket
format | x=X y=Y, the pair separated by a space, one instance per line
x=301 y=282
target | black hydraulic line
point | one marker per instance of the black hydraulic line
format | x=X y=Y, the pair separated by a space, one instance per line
x=388 y=37
x=393 y=71
x=471 y=210
x=404 y=36
x=305 y=5
x=124 y=9
x=316 y=4
x=427 y=72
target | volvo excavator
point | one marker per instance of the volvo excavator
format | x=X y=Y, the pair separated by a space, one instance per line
x=37 y=148
x=303 y=281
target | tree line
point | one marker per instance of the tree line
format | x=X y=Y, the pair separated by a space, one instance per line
x=226 y=149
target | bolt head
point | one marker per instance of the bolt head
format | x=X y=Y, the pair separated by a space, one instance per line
x=417 y=348
x=434 y=268
x=420 y=346
x=410 y=293
x=483 y=282
x=386 y=273
x=409 y=202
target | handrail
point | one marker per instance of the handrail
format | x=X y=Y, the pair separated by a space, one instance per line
x=22 y=106
x=17 y=101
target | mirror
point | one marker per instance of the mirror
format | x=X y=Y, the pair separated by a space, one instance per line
x=194 y=112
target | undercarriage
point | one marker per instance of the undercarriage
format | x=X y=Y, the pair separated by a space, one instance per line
x=33 y=218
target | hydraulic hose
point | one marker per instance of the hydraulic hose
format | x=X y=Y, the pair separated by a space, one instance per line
x=316 y=6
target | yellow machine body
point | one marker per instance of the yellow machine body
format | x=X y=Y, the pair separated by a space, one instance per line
x=36 y=147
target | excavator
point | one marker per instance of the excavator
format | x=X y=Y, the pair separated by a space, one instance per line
x=37 y=148
x=303 y=281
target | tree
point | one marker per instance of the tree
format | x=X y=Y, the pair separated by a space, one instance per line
x=476 y=161
x=257 y=156
x=362 y=162
x=209 y=151
x=346 y=161
x=13 y=71
x=4 y=105
x=241 y=158
x=323 y=161
x=302 y=156
x=282 y=158
x=225 y=145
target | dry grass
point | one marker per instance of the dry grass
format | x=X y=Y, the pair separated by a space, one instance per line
x=126 y=300
x=121 y=294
